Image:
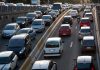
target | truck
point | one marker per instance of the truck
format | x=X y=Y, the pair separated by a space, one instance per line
x=35 y=2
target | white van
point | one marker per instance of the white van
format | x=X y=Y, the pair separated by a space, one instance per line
x=53 y=47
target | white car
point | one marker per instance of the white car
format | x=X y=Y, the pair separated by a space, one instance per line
x=44 y=65
x=89 y=15
x=73 y=13
x=53 y=47
x=8 y=60
x=10 y=30
x=38 y=25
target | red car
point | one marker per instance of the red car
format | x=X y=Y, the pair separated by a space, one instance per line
x=65 y=29
x=85 y=21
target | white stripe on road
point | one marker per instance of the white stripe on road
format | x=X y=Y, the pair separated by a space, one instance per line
x=71 y=44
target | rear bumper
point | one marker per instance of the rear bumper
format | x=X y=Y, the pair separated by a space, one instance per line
x=51 y=54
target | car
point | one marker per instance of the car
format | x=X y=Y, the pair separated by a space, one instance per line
x=84 y=63
x=39 y=13
x=67 y=20
x=22 y=21
x=9 y=30
x=47 y=19
x=31 y=16
x=38 y=25
x=85 y=21
x=84 y=31
x=20 y=44
x=64 y=30
x=89 y=15
x=53 y=14
x=73 y=13
x=44 y=65
x=29 y=31
x=86 y=11
x=53 y=47
x=88 y=44
x=56 y=11
x=8 y=60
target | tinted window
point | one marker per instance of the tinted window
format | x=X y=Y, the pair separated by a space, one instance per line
x=5 y=60
x=85 y=30
x=20 y=19
x=16 y=43
x=46 y=17
x=22 y=31
x=65 y=27
x=52 y=44
x=84 y=20
x=30 y=15
x=85 y=66
x=88 y=43
x=56 y=6
x=9 y=28
x=36 y=22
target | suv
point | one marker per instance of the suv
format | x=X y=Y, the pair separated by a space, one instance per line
x=67 y=20
x=44 y=65
x=89 y=15
x=84 y=31
x=88 y=44
x=20 y=44
x=8 y=60
x=53 y=47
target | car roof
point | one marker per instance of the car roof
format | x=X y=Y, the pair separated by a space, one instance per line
x=26 y=29
x=88 y=38
x=84 y=59
x=22 y=17
x=12 y=24
x=68 y=16
x=6 y=53
x=41 y=64
x=19 y=36
x=85 y=27
x=65 y=25
x=46 y=15
x=88 y=13
x=53 y=39
x=38 y=19
x=84 y=18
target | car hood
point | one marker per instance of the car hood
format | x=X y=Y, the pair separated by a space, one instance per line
x=3 y=66
x=9 y=31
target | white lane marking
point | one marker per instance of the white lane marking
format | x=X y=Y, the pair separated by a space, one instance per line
x=76 y=27
x=71 y=44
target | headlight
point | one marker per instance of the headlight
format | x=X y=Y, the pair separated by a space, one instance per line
x=22 y=51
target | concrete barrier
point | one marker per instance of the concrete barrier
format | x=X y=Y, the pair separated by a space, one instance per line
x=40 y=45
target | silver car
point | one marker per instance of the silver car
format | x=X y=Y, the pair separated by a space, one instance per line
x=10 y=30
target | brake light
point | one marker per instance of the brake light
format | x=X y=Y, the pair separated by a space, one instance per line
x=92 y=68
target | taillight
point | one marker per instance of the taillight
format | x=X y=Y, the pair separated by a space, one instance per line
x=92 y=68
x=75 y=68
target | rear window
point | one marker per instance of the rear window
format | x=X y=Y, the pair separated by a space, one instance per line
x=52 y=44
x=88 y=15
x=85 y=30
x=84 y=66
x=84 y=20
x=64 y=27
x=36 y=22
x=88 y=42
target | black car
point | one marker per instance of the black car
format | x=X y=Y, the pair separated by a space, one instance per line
x=20 y=44
x=22 y=21
x=67 y=20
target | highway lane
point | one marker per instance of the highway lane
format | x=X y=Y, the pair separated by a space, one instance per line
x=72 y=49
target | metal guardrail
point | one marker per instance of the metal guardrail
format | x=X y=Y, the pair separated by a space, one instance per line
x=40 y=45
x=97 y=36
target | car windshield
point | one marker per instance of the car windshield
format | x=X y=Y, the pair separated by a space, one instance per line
x=46 y=17
x=9 y=28
x=36 y=23
x=4 y=60
x=16 y=43
x=52 y=44
x=20 y=19
x=30 y=15
x=22 y=31
x=83 y=66
x=85 y=30
x=88 y=43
